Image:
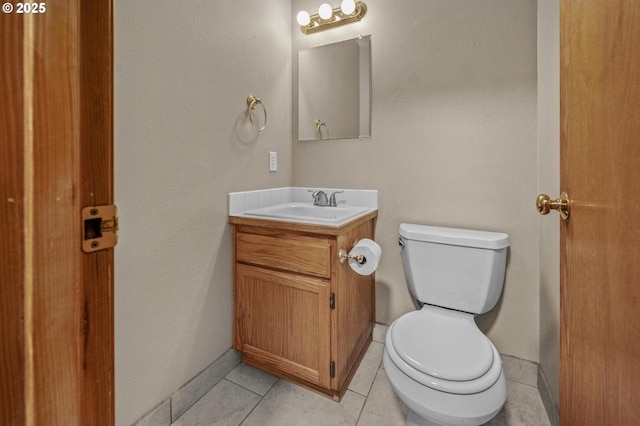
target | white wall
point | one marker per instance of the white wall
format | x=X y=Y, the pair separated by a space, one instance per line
x=454 y=140
x=183 y=71
x=549 y=183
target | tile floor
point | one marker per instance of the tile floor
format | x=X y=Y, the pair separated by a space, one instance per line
x=247 y=396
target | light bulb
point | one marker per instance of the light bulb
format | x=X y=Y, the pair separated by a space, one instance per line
x=325 y=11
x=348 y=7
x=303 y=18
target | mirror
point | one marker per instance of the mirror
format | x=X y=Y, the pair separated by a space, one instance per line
x=334 y=91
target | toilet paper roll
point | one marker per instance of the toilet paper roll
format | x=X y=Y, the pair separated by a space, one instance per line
x=371 y=252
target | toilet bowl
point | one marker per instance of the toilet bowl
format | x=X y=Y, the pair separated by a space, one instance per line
x=451 y=374
x=437 y=360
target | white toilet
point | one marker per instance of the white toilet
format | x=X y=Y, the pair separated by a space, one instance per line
x=438 y=361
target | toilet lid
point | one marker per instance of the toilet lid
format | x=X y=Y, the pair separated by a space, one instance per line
x=443 y=344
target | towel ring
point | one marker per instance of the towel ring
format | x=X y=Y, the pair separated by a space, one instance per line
x=319 y=125
x=253 y=102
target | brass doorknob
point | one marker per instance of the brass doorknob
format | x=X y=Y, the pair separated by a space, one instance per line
x=545 y=204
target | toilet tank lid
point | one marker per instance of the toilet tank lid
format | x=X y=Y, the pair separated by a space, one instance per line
x=454 y=236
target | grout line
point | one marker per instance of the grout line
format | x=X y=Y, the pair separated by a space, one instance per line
x=245 y=388
x=366 y=397
x=259 y=402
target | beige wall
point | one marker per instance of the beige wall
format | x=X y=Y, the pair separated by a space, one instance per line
x=183 y=72
x=549 y=183
x=454 y=143
x=454 y=140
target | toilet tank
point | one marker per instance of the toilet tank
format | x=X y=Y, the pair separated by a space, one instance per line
x=454 y=268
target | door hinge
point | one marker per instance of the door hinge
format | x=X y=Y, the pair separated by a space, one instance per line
x=332 y=301
x=99 y=227
x=332 y=369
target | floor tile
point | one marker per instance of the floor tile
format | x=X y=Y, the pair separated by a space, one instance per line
x=523 y=407
x=159 y=416
x=383 y=407
x=202 y=383
x=226 y=404
x=289 y=404
x=251 y=378
x=366 y=373
x=250 y=397
x=520 y=370
x=379 y=332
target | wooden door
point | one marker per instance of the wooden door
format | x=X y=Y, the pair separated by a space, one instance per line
x=600 y=243
x=56 y=156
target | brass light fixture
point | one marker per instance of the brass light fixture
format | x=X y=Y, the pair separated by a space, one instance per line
x=349 y=12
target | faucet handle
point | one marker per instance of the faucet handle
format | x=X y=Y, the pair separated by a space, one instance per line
x=332 y=199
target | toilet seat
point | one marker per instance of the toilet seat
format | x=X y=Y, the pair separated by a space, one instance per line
x=444 y=350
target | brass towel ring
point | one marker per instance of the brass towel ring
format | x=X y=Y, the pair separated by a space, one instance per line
x=253 y=102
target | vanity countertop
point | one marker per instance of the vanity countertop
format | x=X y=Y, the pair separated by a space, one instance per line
x=291 y=208
x=302 y=225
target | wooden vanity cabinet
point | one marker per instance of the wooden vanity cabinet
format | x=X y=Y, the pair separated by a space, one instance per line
x=298 y=313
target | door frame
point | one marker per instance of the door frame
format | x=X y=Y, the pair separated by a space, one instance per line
x=56 y=302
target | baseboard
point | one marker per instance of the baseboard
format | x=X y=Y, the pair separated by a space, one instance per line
x=168 y=411
x=548 y=400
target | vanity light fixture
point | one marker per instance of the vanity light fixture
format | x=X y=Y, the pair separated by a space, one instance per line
x=350 y=11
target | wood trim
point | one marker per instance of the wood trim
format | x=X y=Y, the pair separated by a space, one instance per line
x=277 y=365
x=53 y=291
x=57 y=302
x=96 y=188
x=12 y=249
x=302 y=227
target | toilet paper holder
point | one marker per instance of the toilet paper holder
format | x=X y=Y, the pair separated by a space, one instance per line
x=344 y=256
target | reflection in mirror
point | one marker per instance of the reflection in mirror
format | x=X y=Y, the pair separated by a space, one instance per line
x=334 y=91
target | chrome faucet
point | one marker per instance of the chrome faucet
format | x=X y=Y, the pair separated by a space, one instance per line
x=320 y=198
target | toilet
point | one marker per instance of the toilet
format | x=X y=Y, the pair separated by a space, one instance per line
x=437 y=360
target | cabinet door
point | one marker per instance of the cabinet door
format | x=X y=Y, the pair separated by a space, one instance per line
x=283 y=323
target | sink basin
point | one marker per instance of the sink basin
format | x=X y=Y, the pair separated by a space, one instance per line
x=302 y=212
